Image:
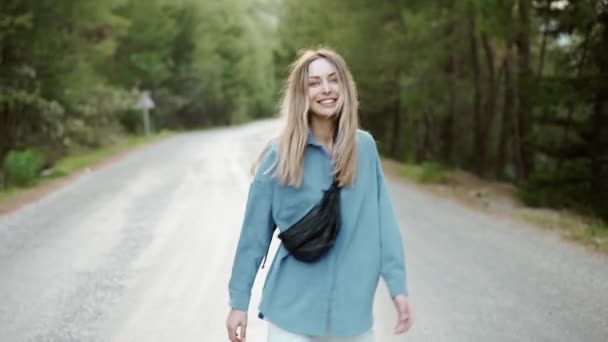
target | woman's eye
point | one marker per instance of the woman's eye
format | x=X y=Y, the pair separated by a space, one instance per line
x=333 y=80
x=313 y=84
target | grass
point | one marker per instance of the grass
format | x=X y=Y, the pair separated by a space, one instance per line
x=425 y=173
x=77 y=161
x=588 y=231
x=591 y=233
x=80 y=160
x=5 y=194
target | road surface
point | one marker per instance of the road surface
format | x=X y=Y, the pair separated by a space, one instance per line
x=141 y=250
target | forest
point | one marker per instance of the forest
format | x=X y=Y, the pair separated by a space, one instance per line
x=511 y=90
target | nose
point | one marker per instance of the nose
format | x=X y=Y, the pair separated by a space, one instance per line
x=325 y=87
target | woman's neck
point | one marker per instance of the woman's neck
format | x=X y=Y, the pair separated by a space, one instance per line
x=323 y=131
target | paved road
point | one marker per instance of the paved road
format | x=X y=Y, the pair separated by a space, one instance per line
x=141 y=251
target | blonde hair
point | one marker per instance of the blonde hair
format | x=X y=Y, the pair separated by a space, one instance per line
x=294 y=113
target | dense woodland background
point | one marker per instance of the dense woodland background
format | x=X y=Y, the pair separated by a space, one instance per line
x=514 y=90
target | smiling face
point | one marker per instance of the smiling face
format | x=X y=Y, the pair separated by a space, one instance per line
x=323 y=88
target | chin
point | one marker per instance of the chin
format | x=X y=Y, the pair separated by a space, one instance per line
x=324 y=114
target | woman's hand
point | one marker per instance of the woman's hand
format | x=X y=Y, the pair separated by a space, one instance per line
x=404 y=314
x=236 y=318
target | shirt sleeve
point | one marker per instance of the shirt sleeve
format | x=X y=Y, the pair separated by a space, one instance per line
x=393 y=268
x=255 y=236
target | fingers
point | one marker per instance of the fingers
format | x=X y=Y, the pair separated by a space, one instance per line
x=232 y=335
x=403 y=325
x=404 y=315
x=405 y=320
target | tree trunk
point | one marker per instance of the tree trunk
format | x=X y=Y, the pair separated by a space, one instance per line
x=579 y=69
x=525 y=89
x=599 y=124
x=447 y=126
x=429 y=128
x=396 y=129
x=419 y=134
x=507 y=114
x=543 y=44
x=490 y=104
x=5 y=133
x=508 y=129
x=8 y=123
x=479 y=147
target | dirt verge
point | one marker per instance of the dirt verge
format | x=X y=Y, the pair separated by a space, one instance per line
x=499 y=200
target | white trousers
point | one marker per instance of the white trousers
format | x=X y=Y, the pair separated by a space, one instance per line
x=276 y=334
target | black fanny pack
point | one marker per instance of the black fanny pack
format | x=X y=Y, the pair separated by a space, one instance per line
x=315 y=233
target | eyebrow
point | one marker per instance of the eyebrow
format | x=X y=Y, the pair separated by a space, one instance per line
x=332 y=74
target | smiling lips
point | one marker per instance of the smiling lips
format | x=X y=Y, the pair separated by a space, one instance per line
x=327 y=102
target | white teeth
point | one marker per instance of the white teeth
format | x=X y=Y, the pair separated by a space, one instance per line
x=328 y=101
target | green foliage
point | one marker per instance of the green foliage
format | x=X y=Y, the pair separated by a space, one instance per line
x=205 y=63
x=428 y=172
x=97 y=121
x=71 y=70
x=433 y=172
x=131 y=121
x=591 y=232
x=21 y=168
x=489 y=86
x=535 y=194
x=508 y=88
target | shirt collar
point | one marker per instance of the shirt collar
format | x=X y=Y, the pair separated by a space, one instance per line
x=310 y=140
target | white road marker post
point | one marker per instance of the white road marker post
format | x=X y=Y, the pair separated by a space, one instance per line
x=145 y=103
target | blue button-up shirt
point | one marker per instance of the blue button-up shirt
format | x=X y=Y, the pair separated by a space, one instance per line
x=333 y=296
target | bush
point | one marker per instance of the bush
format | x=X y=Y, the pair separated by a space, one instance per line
x=433 y=173
x=559 y=190
x=21 y=168
x=538 y=197
x=131 y=121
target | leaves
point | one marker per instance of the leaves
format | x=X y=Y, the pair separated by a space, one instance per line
x=80 y=63
x=439 y=79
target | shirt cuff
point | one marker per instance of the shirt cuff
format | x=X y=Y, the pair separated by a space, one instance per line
x=396 y=286
x=239 y=300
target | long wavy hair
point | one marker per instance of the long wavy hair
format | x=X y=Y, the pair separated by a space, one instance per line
x=294 y=111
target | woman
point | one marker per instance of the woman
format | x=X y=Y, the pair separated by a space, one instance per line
x=330 y=299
